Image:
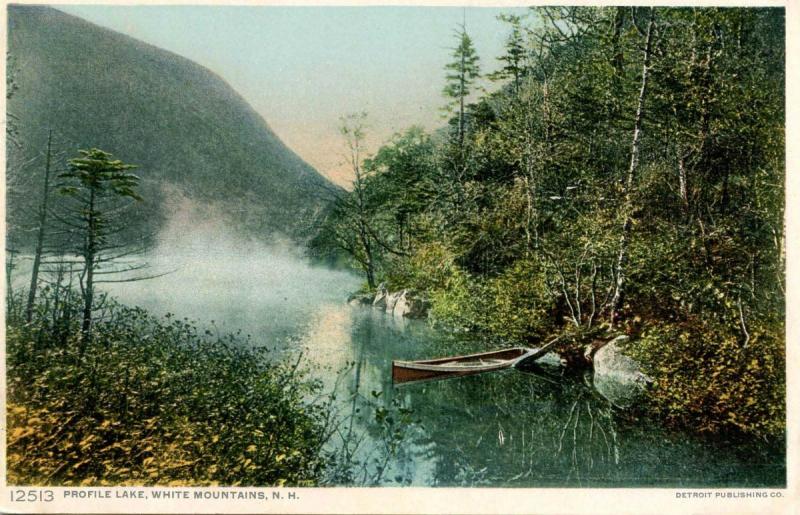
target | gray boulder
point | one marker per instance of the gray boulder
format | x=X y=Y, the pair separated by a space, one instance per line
x=409 y=305
x=380 y=297
x=360 y=299
x=391 y=300
x=618 y=377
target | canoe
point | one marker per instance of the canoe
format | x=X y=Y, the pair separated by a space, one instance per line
x=458 y=366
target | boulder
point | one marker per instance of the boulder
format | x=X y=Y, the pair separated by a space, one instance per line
x=410 y=305
x=380 y=297
x=391 y=300
x=617 y=376
x=360 y=299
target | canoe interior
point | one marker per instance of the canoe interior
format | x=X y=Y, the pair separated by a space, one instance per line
x=458 y=366
x=505 y=354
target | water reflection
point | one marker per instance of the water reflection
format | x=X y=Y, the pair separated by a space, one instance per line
x=510 y=428
x=506 y=428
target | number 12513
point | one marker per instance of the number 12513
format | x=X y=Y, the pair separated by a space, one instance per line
x=31 y=495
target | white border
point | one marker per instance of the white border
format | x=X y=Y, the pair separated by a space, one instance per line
x=480 y=500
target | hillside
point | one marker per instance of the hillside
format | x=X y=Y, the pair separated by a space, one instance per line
x=184 y=126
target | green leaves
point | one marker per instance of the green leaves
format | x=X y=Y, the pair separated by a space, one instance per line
x=98 y=171
x=705 y=379
x=462 y=71
x=155 y=402
x=518 y=226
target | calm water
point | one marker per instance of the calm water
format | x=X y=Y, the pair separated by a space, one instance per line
x=509 y=428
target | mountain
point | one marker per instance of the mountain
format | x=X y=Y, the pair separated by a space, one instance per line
x=184 y=126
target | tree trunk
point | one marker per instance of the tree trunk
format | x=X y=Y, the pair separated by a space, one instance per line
x=89 y=263
x=619 y=290
x=683 y=183
x=361 y=220
x=369 y=263
x=461 y=95
x=37 y=256
x=9 y=272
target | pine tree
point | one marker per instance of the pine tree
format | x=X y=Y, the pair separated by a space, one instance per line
x=514 y=58
x=461 y=74
x=98 y=186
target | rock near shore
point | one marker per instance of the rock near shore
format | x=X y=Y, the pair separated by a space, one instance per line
x=401 y=304
x=410 y=305
x=360 y=299
x=617 y=376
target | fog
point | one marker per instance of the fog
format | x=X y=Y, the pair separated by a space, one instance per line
x=514 y=422
x=230 y=282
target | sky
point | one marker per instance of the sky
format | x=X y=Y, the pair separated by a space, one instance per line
x=302 y=68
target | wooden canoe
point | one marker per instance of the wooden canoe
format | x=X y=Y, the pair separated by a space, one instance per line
x=458 y=366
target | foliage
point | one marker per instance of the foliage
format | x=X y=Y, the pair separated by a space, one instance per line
x=461 y=75
x=514 y=60
x=709 y=380
x=95 y=171
x=97 y=186
x=520 y=307
x=153 y=402
x=580 y=188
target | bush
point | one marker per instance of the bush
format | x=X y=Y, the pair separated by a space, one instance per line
x=155 y=402
x=520 y=309
x=706 y=379
x=453 y=293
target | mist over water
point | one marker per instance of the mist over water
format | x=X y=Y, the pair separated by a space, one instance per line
x=507 y=428
x=216 y=275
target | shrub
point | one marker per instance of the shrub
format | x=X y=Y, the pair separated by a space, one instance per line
x=706 y=379
x=519 y=307
x=155 y=402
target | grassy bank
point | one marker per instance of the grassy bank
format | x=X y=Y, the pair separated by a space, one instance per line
x=152 y=402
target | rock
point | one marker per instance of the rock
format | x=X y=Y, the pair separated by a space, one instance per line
x=360 y=299
x=596 y=345
x=400 y=304
x=618 y=377
x=391 y=300
x=401 y=307
x=380 y=297
x=410 y=305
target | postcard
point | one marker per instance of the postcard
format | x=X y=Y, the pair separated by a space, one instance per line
x=399 y=258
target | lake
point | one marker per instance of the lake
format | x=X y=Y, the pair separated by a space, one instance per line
x=511 y=428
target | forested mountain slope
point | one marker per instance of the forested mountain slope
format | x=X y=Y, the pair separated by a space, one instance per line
x=180 y=123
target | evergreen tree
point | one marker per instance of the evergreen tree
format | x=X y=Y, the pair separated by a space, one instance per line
x=633 y=174
x=461 y=74
x=514 y=59
x=98 y=187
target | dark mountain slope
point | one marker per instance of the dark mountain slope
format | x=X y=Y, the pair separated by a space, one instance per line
x=182 y=124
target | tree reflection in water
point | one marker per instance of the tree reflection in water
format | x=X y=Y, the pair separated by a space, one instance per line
x=536 y=427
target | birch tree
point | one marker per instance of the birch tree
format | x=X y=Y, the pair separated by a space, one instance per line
x=627 y=208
